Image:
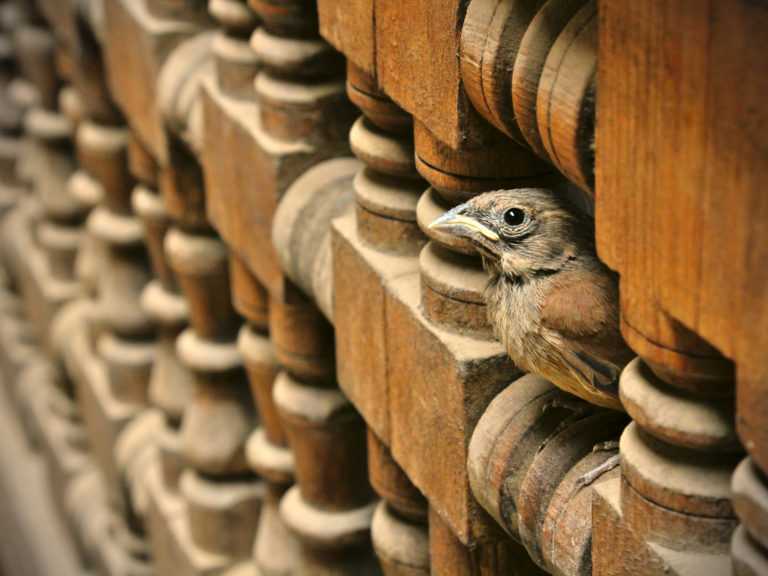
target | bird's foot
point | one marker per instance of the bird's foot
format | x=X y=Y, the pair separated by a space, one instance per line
x=570 y=403
x=608 y=446
x=595 y=473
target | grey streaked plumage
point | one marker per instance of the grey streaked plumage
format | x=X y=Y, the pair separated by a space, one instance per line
x=551 y=302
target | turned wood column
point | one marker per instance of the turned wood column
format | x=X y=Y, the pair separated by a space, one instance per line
x=217 y=485
x=123 y=333
x=374 y=244
x=228 y=101
x=330 y=508
x=275 y=550
x=529 y=68
x=534 y=458
x=170 y=381
x=678 y=454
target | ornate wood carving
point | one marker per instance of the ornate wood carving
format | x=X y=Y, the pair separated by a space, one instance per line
x=228 y=329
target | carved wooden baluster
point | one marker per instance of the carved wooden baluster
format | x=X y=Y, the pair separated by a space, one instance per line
x=126 y=345
x=58 y=233
x=89 y=193
x=529 y=68
x=63 y=250
x=11 y=117
x=45 y=394
x=299 y=89
x=20 y=96
x=533 y=458
x=124 y=333
x=15 y=335
x=47 y=163
x=565 y=101
x=209 y=523
x=302 y=239
x=677 y=505
x=170 y=382
x=202 y=484
x=376 y=243
x=217 y=486
x=399 y=528
x=45 y=271
x=112 y=372
x=231 y=100
x=222 y=498
x=93 y=98
x=673 y=508
x=275 y=551
x=330 y=508
x=100 y=187
x=17 y=347
x=236 y=63
x=263 y=140
x=303 y=117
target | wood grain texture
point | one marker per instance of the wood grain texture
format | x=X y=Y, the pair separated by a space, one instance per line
x=681 y=156
x=460 y=173
x=425 y=46
x=681 y=161
x=349 y=27
x=565 y=106
x=490 y=40
x=535 y=45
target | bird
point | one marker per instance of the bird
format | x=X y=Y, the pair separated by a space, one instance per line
x=551 y=302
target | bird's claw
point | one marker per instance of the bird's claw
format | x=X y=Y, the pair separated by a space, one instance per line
x=607 y=446
x=590 y=477
x=575 y=405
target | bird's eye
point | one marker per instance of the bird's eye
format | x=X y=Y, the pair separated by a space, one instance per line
x=514 y=217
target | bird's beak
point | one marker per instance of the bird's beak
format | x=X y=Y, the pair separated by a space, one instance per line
x=454 y=222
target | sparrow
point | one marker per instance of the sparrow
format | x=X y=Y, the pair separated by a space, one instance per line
x=551 y=302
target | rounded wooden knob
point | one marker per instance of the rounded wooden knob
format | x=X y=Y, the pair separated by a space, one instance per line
x=539 y=37
x=565 y=106
x=490 y=40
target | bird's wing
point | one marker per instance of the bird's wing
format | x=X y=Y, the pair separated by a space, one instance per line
x=579 y=304
x=581 y=308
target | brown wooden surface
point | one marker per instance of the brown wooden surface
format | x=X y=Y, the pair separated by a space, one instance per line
x=566 y=98
x=349 y=27
x=231 y=119
x=535 y=46
x=678 y=165
x=419 y=47
x=490 y=39
x=680 y=161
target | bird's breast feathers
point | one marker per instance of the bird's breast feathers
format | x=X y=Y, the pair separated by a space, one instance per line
x=550 y=327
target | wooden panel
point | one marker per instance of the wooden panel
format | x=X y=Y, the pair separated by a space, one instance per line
x=232 y=181
x=136 y=46
x=348 y=26
x=417 y=46
x=681 y=158
x=676 y=138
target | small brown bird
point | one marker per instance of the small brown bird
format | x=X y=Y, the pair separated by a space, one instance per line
x=551 y=302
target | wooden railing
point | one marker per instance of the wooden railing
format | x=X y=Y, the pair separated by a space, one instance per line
x=242 y=350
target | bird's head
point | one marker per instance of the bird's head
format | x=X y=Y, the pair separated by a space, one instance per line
x=520 y=233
